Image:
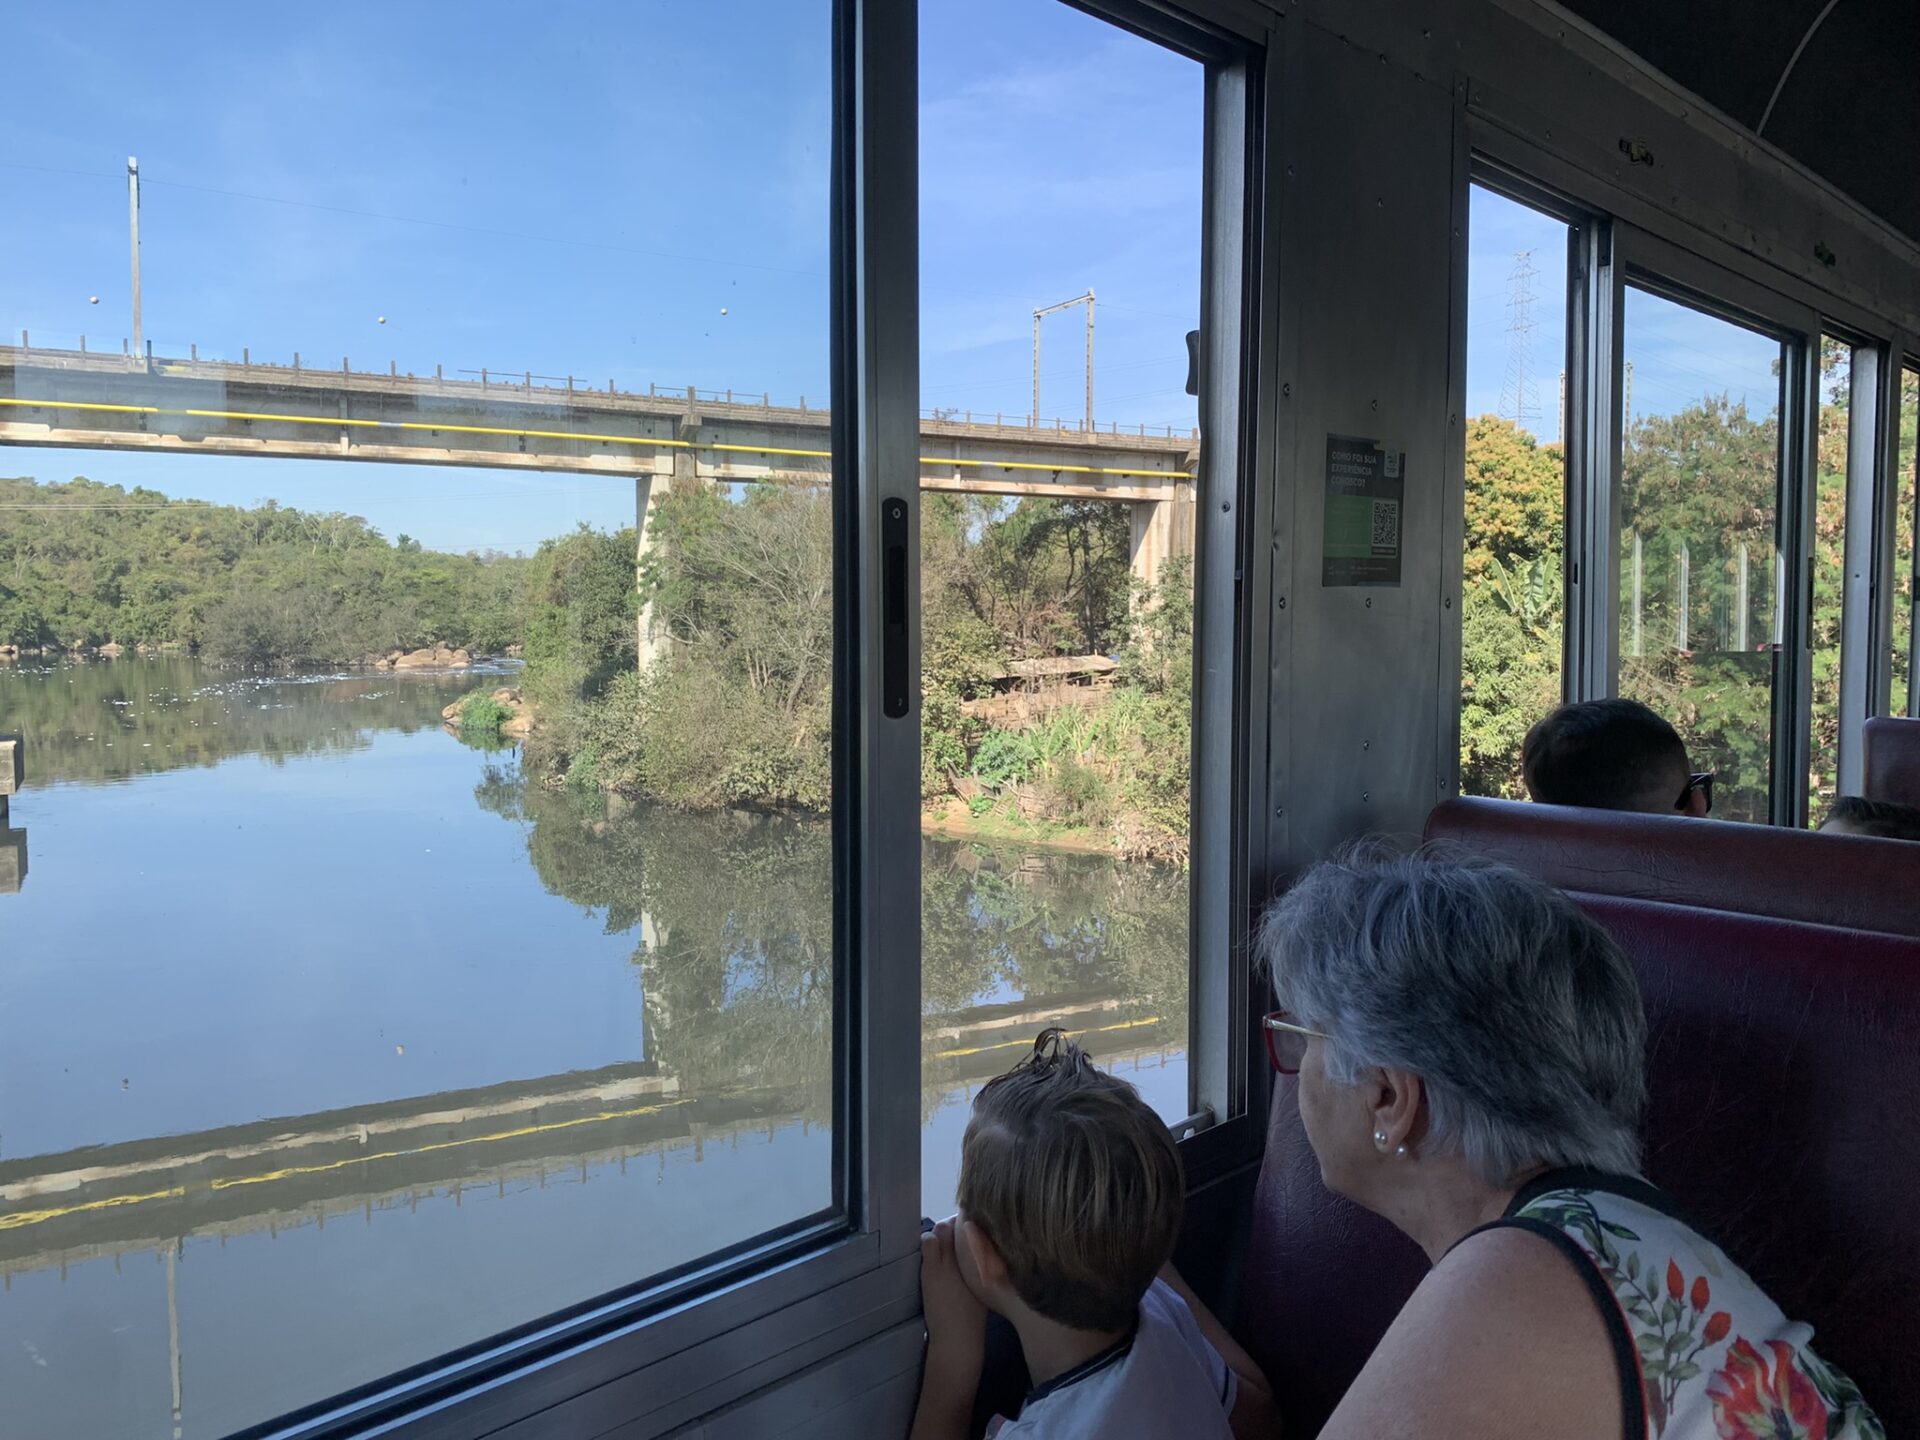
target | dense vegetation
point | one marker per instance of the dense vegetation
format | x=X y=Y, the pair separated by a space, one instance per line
x=736 y=710
x=735 y=596
x=84 y=564
x=1705 y=477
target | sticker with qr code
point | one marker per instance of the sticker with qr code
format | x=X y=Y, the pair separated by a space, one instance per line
x=1360 y=531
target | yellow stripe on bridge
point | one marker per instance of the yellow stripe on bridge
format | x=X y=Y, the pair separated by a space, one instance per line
x=511 y=433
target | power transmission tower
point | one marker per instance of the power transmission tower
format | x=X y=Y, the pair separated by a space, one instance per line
x=1519 y=396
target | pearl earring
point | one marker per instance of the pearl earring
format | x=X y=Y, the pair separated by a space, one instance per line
x=1380 y=1138
x=1401 y=1152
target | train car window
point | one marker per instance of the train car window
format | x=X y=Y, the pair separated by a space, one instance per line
x=1061 y=177
x=418 y=605
x=1906 y=600
x=1829 y=570
x=1513 y=611
x=1699 y=588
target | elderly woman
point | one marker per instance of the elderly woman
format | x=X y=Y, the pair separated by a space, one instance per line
x=1470 y=1052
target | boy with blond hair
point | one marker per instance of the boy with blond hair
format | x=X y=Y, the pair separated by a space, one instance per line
x=1070 y=1198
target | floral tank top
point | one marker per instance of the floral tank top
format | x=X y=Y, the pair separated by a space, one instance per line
x=1703 y=1353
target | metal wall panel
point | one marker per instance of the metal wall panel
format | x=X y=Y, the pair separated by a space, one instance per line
x=1366 y=262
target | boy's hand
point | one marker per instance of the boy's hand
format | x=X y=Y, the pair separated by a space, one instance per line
x=956 y=1320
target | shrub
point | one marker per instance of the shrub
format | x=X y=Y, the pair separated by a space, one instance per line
x=481 y=714
x=1004 y=758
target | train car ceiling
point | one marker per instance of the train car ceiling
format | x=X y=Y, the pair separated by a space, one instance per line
x=1828 y=81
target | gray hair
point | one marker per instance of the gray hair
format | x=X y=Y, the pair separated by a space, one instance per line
x=1520 y=1015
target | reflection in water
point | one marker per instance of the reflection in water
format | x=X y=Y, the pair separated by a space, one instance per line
x=501 y=1060
x=13 y=856
x=108 y=721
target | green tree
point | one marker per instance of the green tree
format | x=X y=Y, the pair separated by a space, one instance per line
x=83 y=563
x=1699 y=492
x=1511 y=609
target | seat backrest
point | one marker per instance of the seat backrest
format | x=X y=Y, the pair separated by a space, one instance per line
x=1784 y=1066
x=1891 y=753
x=1845 y=880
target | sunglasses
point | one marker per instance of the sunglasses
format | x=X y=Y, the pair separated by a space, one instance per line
x=1287 y=1041
x=1703 y=782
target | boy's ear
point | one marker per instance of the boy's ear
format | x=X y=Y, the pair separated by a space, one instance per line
x=988 y=1263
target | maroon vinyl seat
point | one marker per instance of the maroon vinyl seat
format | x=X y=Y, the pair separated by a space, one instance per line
x=1891 y=752
x=1784 y=1066
x=1844 y=880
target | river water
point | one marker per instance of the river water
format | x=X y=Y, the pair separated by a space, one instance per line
x=332 y=1045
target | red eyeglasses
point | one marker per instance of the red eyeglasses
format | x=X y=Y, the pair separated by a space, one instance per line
x=1287 y=1041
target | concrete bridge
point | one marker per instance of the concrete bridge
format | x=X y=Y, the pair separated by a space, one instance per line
x=89 y=400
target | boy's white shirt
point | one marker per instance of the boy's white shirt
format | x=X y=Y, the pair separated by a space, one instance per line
x=1167 y=1383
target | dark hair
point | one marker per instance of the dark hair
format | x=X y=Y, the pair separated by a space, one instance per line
x=1881 y=818
x=1605 y=755
x=1077 y=1183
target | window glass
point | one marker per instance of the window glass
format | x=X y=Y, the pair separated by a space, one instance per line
x=417 y=614
x=1904 y=563
x=1699 y=510
x=1060 y=271
x=1829 y=571
x=1512 y=609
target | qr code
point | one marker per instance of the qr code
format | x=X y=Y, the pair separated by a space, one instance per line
x=1386 y=525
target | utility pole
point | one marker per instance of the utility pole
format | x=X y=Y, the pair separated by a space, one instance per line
x=133 y=225
x=1086 y=300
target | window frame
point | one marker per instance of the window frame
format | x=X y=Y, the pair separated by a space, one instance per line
x=1657 y=267
x=1886 y=513
x=660 y=1354
x=1709 y=271
x=1867 y=586
x=663 y=1351
x=1586 y=472
x=1226 y=1065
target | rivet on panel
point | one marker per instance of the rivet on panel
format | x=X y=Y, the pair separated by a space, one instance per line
x=1369 y=602
x=1283 y=602
x=1366 y=744
x=1287 y=389
x=1448 y=602
x=1225 y=506
x=1366 y=795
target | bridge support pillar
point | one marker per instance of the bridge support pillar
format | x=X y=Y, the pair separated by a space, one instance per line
x=645 y=496
x=1162 y=531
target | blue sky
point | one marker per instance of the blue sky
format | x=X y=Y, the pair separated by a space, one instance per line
x=1678 y=354
x=538 y=188
x=547 y=188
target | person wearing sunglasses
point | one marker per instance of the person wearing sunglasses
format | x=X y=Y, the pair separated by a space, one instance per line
x=1613 y=755
x=1468 y=1056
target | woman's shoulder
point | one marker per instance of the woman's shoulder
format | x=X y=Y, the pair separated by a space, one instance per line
x=1502 y=1331
x=1700 y=1345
